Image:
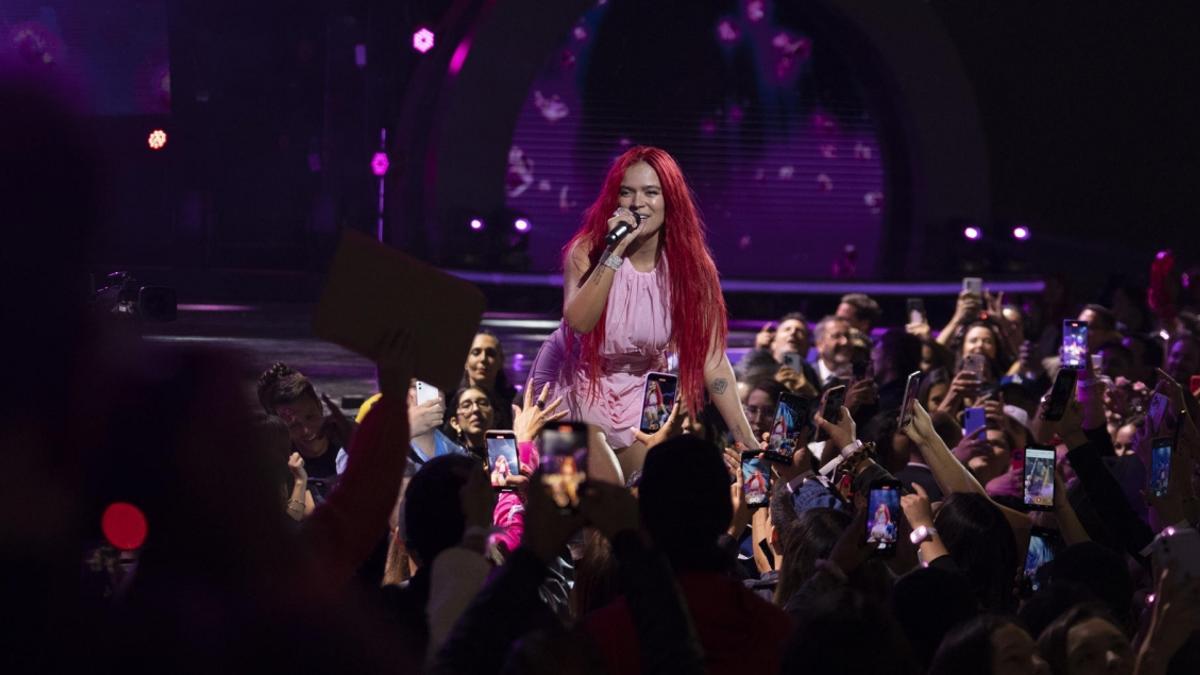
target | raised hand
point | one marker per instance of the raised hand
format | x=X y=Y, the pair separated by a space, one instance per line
x=296 y=466
x=528 y=421
x=841 y=434
x=917 y=509
x=972 y=445
x=765 y=336
x=425 y=417
x=672 y=428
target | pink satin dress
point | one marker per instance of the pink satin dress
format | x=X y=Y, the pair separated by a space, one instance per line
x=637 y=333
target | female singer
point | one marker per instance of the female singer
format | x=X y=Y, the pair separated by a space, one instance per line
x=654 y=290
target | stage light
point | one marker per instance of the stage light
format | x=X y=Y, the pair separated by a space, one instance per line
x=521 y=225
x=973 y=233
x=157 y=139
x=1020 y=233
x=124 y=526
x=422 y=40
x=476 y=224
x=379 y=163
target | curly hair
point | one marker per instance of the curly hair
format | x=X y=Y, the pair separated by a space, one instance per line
x=281 y=384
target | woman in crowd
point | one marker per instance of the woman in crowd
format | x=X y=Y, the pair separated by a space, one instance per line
x=652 y=291
x=485 y=369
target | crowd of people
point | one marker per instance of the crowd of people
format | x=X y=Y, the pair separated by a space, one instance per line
x=282 y=534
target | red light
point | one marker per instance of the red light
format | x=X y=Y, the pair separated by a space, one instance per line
x=157 y=139
x=124 y=526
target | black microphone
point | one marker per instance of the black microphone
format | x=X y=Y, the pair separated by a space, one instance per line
x=622 y=230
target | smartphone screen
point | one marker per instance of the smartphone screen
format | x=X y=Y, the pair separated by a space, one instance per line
x=916 y=311
x=974 y=363
x=1157 y=411
x=910 y=395
x=973 y=285
x=1040 y=552
x=502 y=458
x=1074 y=344
x=974 y=419
x=756 y=480
x=883 y=512
x=1160 y=466
x=1039 y=478
x=794 y=360
x=427 y=392
x=831 y=403
x=1060 y=394
x=564 y=462
x=791 y=418
x=657 y=399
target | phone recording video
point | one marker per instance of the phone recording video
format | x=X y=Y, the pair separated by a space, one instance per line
x=502 y=458
x=975 y=363
x=794 y=360
x=831 y=403
x=916 y=311
x=911 y=387
x=657 y=399
x=427 y=392
x=564 y=462
x=756 y=479
x=1060 y=394
x=1156 y=411
x=973 y=285
x=1160 y=466
x=1074 y=344
x=1039 y=479
x=974 y=419
x=1042 y=545
x=791 y=418
x=883 y=512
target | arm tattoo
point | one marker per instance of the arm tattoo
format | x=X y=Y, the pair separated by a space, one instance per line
x=719 y=385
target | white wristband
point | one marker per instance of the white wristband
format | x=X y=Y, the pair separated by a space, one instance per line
x=614 y=261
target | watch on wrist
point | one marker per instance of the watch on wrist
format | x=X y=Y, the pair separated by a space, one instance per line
x=921 y=535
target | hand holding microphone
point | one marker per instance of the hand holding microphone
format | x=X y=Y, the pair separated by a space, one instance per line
x=620 y=226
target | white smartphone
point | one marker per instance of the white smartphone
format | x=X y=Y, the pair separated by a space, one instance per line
x=427 y=392
x=973 y=285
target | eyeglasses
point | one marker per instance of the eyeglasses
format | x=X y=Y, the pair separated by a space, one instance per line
x=764 y=410
x=482 y=404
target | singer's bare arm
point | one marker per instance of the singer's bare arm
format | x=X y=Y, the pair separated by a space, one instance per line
x=583 y=305
x=722 y=389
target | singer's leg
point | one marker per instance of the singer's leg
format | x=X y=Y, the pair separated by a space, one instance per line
x=632 y=457
x=603 y=464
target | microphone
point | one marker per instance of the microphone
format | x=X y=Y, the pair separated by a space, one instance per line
x=622 y=230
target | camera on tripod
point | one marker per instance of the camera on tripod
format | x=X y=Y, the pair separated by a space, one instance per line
x=122 y=296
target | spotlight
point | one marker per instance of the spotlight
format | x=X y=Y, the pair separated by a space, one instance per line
x=157 y=139
x=972 y=232
x=521 y=225
x=1020 y=232
x=476 y=224
x=379 y=163
x=422 y=40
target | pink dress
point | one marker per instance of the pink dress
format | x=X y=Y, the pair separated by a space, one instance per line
x=637 y=333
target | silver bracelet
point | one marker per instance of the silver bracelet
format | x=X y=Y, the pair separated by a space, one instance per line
x=614 y=261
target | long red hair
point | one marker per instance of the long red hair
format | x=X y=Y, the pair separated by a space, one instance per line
x=698 y=318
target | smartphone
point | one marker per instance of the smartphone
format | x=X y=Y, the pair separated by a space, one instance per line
x=792 y=416
x=1060 y=394
x=975 y=363
x=831 y=403
x=1179 y=547
x=1042 y=546
x=427 y=392
x=863 y=369
x=1160 y=466
x=502 y=458
x=973 y=285
x=1039 y=479
x=883 y=515
x=564 y=455
x=657 y=398
x=1156 y=411
x=1097 y=363
x=910 y=396
x=756 y=479
x=1074 y=344
x=916 y=311
x=794 y=360
x=974 y=419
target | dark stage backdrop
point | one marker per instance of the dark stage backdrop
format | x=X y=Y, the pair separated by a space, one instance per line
x=113 y=55
x=768 y=122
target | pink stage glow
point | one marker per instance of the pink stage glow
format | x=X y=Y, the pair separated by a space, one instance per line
x=971 y=232
x=379 y=163
x=521 y=225
x=1021 y=232
x=422 y=40
x=476 y=224
x=459 y=57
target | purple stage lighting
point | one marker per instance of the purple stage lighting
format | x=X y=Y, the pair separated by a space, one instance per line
x=1020 y=232
x=422 y=40
x=521 y=225
x=476 y=224
x=379 y=163
x=157 y=139
x=973 y=233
